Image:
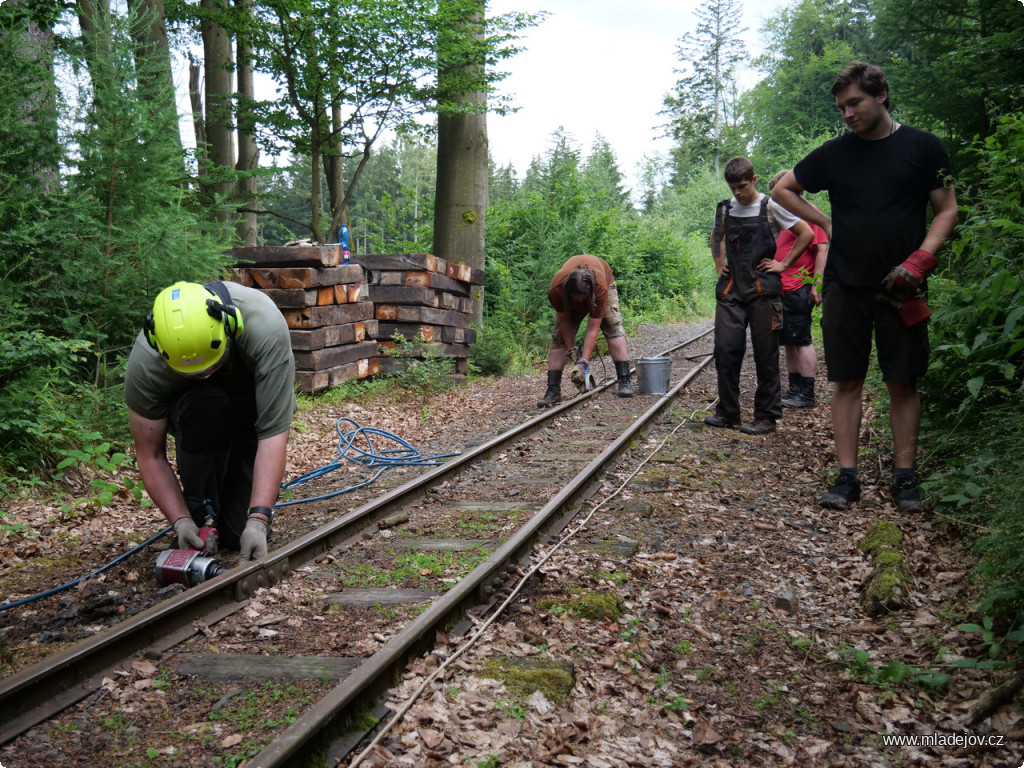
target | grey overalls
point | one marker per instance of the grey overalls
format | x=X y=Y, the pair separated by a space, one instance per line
x=748 y=297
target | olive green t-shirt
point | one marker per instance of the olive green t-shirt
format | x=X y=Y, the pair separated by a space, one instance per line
x=263 y=348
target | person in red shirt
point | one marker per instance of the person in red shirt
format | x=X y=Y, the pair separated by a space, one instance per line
x=585 y=287
x=801 y=274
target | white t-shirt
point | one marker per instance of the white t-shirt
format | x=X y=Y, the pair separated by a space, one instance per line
x=778 y=217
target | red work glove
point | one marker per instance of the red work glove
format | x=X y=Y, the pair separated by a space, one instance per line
x=905 y=280
x=911 y=311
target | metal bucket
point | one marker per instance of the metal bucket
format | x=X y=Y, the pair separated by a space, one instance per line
x=652 y=374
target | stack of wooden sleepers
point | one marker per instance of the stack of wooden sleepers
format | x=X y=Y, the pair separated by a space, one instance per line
x=426 y=299
x=326 y=305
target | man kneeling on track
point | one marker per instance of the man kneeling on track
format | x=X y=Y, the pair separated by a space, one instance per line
x=213 y=366
x=585 y=287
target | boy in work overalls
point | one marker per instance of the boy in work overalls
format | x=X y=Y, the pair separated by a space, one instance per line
x=749 y=293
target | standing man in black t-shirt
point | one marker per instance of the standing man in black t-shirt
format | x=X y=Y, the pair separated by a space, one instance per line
x=881 y=177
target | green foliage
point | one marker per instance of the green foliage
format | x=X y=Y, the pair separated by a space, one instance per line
x=95 y=217
x=103 y=465
x=806 y=46
x=514 y=709
x=890 y=673
x=953 y=65
x=979 y=331
x=494 y=352
x=996 y=649
x=37 y=390
x=423 y=368
x=974 y=385
x=249 y=711
x=703 y=107
x=414 y=569
x=357 y=70
x=568 y=206
x=135 y=229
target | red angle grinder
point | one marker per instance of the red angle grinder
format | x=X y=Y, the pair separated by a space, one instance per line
x=187 y=566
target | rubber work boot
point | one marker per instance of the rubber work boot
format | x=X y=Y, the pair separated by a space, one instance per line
x=801 y=395
x=622 y=372
x=554 y=393
x=840 y=495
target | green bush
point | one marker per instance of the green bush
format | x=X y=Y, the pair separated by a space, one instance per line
x=492 y=353
x=422 y=368
x=975 y=417
x=37 y=396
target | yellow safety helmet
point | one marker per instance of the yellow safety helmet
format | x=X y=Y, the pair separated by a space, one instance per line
x=189 y=327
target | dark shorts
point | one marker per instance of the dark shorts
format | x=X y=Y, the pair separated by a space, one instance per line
x=850 y=316
x=796 y=317
x=611 y=323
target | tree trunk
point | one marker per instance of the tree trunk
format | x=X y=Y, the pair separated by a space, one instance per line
x=153 y=61
x=460 y=201
x=248 y=150
x=34 y=127
x=334 y=167
x=220 y=147
x=198 y=121
x=94 y=20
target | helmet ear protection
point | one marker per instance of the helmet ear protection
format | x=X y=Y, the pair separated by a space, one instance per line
x=149 y=328
x=224 y=309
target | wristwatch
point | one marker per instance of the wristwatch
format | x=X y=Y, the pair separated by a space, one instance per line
x=267 y=512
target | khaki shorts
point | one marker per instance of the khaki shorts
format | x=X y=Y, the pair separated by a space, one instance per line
x=611 y=323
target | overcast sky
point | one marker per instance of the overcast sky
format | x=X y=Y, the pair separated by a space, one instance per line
x=598 y=67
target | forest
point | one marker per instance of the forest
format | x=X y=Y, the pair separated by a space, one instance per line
x=103 y=200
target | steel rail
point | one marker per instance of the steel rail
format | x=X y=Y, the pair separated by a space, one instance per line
x=38 y=692
x=316 y=733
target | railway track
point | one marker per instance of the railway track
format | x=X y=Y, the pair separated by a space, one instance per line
x=492 y=504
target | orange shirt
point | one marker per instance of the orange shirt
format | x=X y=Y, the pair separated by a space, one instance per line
x=603 y=278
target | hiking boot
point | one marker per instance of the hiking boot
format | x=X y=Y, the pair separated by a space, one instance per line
x=839 y=496
x=794 y=386
x=721 y=422
x=907 y=497
x=622 y=373
x=554 y=393
x=801 y=394
x=798 y=400
x=758 y=427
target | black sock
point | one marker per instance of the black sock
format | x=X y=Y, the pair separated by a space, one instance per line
x=902 y=475
x=852 y=471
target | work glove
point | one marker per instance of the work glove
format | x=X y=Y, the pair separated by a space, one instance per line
x=188 y=533
x=906 y=279
x=911 y=311
x=253 y=544
x=581 y=375
x=210 y=538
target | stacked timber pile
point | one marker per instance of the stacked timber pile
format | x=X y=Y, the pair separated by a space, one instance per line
x=326 y=306
x=425 y=299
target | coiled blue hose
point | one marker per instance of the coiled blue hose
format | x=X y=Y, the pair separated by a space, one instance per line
x=403 y=456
